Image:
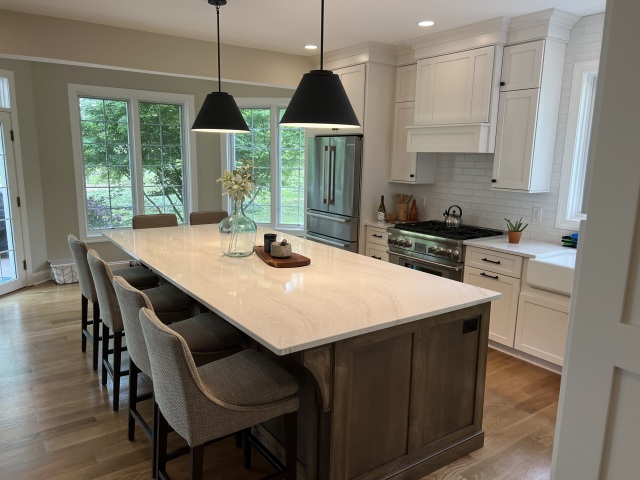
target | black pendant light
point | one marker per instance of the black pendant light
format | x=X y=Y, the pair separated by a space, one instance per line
x=320 y=100
x=219 y=112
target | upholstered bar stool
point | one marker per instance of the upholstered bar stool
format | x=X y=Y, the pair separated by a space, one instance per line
x=155 y=221
x=215 y=400
x=140 y=277
x=208 y=337
x=202 y=218
x=171 y=303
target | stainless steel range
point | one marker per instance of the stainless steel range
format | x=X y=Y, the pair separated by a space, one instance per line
x=433 y=247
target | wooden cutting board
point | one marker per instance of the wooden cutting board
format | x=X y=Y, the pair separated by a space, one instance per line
x=295 y=260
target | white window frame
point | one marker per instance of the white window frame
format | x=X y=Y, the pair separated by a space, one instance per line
x=226 y=156
x=133 y=97
x=576 y=146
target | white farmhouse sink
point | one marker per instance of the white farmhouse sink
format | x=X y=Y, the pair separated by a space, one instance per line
x=553 y=273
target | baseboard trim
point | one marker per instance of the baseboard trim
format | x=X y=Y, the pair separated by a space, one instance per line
x=40 y=277
x=526 y=357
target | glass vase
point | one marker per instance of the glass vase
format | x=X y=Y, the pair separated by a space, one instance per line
x=237 y=233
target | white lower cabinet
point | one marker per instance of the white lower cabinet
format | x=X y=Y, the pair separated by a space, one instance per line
x=502 y=326
x=541 y=327
x=376 y=243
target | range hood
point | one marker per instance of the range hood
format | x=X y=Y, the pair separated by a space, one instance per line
x=461 y=138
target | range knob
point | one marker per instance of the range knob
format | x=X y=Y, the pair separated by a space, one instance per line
x=449 y=253
x=439 y=251
x=432 y=249
x=455 y=255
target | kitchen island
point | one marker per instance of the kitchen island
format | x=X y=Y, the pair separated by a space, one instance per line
x=391 y=361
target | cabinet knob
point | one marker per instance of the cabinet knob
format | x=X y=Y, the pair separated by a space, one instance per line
x=493 y=180
x=502 y=84
x=412 y=175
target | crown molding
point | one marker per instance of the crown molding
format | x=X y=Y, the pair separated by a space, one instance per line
x=476 y=35
x=405 y=55
x=366 y=52
x=550 y=23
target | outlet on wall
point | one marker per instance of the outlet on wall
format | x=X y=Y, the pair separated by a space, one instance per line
x=537 y=214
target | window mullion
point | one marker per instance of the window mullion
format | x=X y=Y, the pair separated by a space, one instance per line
x=136 y=158
x=275 y=166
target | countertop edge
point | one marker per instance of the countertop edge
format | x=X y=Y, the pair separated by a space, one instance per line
x=526 y=248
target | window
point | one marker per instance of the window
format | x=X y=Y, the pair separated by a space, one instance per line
x=132 y=154
x=277 y=154
x=576 y=149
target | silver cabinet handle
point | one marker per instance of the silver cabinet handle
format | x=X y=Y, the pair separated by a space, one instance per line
x=328 y=242
x=326 y=179
x=329 y=217
x=426 y=262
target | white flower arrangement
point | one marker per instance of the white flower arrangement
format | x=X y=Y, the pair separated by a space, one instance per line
x=238 y=183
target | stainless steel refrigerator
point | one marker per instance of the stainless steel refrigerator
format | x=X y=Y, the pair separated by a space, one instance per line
x=333 y=191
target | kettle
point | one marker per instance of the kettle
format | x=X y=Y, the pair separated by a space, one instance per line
x=452 y=219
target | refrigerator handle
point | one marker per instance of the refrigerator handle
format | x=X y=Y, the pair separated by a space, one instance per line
x=325 y=174
x=332 y=173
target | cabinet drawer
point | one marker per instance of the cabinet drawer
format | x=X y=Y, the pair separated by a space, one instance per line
x=502 y=325
x=377 y=235
x=377 y=252
x=496 y=262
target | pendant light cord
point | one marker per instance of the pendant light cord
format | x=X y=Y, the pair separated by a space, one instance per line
x=218 y=21
x=322 y=36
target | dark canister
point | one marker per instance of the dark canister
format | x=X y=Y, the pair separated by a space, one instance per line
x=268 y=238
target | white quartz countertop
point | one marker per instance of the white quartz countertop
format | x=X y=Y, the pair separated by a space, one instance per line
x=339 y=295
x=526 y=248
x=373 y=223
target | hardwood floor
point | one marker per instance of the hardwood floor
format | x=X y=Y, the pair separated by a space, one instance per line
x=56 y=420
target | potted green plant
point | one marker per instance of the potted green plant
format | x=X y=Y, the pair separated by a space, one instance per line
x=515 y=229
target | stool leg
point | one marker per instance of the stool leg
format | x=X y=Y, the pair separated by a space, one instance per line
x=161 y=446
x=291 y=444
x=105 y=352
x=246 y=448
x=133 y=397
x=85 y=315
x=197 y=457
x=154 y=440
x=96 y=334
x=117 y=361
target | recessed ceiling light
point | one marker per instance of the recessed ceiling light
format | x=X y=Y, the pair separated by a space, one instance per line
x=310 y=47
x=426 y=23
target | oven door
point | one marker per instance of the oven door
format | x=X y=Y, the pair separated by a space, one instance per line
x=433 y=268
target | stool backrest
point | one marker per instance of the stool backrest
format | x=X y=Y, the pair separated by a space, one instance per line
x=176 y=381
x=103 y=278
x=202 y=218
x=131 y=300
x=79 y=253
x=155 y=221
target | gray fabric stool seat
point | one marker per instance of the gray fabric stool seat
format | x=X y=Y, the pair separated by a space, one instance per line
x=112 y=317
x=208 y=336
x=140 y=277
x=215 y=400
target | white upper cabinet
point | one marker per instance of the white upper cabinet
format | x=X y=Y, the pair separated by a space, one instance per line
x=406 y=83
x=528 y=117
x=409 y=167
x=455 y=88
x=354 y=82
x=522 y=66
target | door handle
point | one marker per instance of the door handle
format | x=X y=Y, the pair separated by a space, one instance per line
x=328 y=242
x=332 y=175
x=496 y=262
x=376 y=235
x=329 y=217
x=495 y=277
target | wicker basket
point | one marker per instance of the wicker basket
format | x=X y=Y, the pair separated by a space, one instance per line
x=64 y=271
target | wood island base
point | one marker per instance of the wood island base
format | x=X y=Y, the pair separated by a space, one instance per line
x=398 y=403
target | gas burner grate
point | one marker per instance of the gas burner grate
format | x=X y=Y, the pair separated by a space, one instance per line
x=439 y=229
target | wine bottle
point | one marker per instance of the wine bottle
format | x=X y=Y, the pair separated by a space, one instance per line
x=382 y=212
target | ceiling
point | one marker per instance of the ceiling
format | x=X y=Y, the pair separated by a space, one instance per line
x=287 y=25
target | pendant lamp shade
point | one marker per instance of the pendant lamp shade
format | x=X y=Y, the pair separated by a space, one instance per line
x=219 y=112
x=320 y=100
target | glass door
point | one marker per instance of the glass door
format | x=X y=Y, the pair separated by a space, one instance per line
x=12 y=272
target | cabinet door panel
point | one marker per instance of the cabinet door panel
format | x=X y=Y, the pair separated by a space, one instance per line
x=353 y=80
x=542 y=327
x=406 y=83
x=515 y=139
x=454 y=88
x=403 y=163
x=504 y=311
x=522 y=66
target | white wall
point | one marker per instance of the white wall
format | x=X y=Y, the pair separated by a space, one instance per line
x=465 y=179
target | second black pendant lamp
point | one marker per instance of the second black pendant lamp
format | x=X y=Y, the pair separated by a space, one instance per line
x=320 y=100
x=219 y=112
